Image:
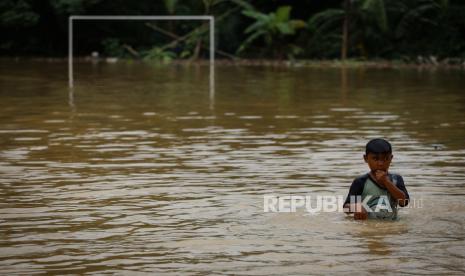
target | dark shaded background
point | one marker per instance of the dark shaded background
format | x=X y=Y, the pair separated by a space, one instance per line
x=414 y=27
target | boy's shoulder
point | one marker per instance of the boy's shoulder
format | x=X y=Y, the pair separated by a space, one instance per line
x=362 y=178
x=395 y=177
x=394 y=174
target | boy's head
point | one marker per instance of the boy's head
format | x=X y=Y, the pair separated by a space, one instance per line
x=378 y=154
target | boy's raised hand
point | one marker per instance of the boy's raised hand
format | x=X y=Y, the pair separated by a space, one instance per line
x=381 y=177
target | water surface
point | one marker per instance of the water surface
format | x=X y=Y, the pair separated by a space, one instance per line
x=140 y=169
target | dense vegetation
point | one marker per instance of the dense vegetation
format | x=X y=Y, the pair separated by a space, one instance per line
x=308 y=29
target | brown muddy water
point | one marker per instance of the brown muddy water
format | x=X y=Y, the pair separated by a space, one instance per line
x=142 y=170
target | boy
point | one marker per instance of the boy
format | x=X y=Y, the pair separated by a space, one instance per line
x=377 y=193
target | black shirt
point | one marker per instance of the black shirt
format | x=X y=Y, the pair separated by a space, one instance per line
x=358 y=184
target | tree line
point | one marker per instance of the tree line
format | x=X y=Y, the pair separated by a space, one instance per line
x=268 y=29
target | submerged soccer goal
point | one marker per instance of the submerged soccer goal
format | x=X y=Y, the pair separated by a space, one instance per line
x=73 y=18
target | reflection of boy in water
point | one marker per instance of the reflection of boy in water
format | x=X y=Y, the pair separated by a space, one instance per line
x=377 y=193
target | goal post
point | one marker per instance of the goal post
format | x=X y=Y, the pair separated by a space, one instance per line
x=73 y=18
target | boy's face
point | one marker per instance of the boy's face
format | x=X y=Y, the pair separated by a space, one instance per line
x=378 y=161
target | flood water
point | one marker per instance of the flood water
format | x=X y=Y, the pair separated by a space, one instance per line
x=145 y=170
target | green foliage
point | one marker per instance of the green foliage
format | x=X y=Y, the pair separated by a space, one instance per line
x=373 y=11
x=377 y=28
x=112 y=47
x=170 y=5
x=66 y=7
x=272 y=27
x=157 y=54
x=325 y=21
x=368 y=25
x=210 y=4
x=414 y=13
x=371 y=28
x=430 y=27
x=17 y=14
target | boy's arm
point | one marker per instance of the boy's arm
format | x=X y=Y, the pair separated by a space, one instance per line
x=357 y=209
x=382 y=178
x=356 y=189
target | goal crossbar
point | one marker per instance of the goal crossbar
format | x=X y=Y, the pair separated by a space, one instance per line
x=209 y=18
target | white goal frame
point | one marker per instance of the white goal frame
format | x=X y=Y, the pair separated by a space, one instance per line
x=72 y=18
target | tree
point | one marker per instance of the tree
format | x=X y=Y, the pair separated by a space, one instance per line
x=15 y=17
x=273 y=28
x=366 y=20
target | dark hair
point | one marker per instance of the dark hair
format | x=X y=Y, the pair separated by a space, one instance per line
x=378 y=145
